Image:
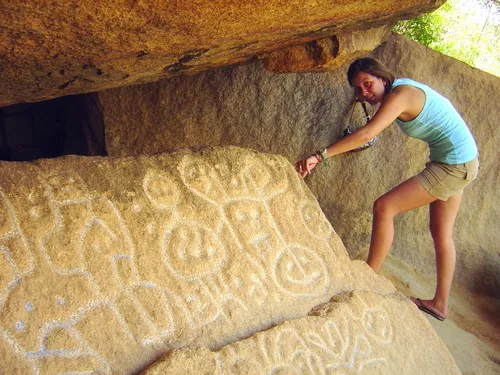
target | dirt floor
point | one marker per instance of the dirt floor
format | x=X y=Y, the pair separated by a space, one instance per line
x=472 y=330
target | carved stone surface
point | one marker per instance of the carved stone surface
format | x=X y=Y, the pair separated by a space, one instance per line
x=106 y=264
x=362 y=333
x=63 y=47
x=295 y=114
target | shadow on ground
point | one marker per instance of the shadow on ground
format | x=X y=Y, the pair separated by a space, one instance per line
x=471 y=332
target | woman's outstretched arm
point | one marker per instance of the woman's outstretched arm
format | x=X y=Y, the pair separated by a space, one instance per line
x=392 y=106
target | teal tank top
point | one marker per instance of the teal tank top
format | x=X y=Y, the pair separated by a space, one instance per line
x=440 y=125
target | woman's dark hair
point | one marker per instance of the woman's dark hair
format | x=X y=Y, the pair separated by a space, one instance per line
x=371 y=66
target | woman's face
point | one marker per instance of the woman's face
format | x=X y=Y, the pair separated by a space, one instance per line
x=369 y=88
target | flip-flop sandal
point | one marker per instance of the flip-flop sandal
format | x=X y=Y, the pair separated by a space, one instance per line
x=426 y=310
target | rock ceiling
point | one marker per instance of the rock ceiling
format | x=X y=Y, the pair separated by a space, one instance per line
x=61 y=47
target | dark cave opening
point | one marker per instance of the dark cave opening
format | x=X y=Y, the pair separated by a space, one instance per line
x=69 y=125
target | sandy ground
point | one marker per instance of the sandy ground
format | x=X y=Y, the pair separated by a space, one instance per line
x=472 y=330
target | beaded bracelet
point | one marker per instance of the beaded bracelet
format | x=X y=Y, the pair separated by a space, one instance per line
x=321 y=155
x=318 y=157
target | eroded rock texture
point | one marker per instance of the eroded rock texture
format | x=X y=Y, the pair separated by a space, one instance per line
x=55 y=48
x=362 y=333
x=106 y=264
x=295 y=114
x=327 y=53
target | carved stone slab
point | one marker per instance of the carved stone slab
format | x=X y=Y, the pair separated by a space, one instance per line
x=106 y=264
x=361 y=333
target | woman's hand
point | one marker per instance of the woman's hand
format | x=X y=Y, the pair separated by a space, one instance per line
x=305 y=166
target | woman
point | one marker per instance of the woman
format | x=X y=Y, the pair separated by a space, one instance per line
x=424 y=114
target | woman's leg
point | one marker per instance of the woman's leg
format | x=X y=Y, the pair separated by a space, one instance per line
x=442 y=219
x=404 y=197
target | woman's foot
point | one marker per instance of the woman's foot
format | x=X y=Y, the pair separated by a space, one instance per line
x=429 y=306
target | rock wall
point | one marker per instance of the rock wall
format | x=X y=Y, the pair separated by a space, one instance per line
x=106 y=264
x=55 y=48
x=361 y=333
x=295 y=114
x=327 y=53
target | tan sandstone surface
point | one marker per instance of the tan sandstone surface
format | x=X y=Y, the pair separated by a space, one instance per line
x=327 y=53
x=359 y=333
x=220 y=255
x=54 y=48
x=472 y=330
x=295 y=114
x=107 y=264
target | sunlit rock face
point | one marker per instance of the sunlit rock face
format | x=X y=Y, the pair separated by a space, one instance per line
x=327 y=53
x=68 y=47
x=107 y=264
x=360 y=333
x=295 y=114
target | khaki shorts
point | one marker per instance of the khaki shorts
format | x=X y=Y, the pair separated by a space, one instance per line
x=444 y=180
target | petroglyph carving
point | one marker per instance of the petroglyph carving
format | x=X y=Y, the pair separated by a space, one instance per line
x=153 y=262
x=300 y=271
x=16 y=257
x=315 y=222
x=348 y=342
x=192 y=252
x=161 y=189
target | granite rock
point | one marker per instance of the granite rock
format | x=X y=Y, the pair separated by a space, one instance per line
x=359 y=333
x=295 y=114
x=108 y=263
x=50 y=49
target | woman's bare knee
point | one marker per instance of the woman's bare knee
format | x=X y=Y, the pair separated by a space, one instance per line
x=382 y=207
x=441 y=238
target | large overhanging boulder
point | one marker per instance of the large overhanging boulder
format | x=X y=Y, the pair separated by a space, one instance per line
x=326 y=53
x=61 y=47
x=107 y=264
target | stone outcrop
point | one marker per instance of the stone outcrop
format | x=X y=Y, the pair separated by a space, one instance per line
x=327 y=53
x=361 y=333
x=108 y=263
x=57 y=48
x=295 y=114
